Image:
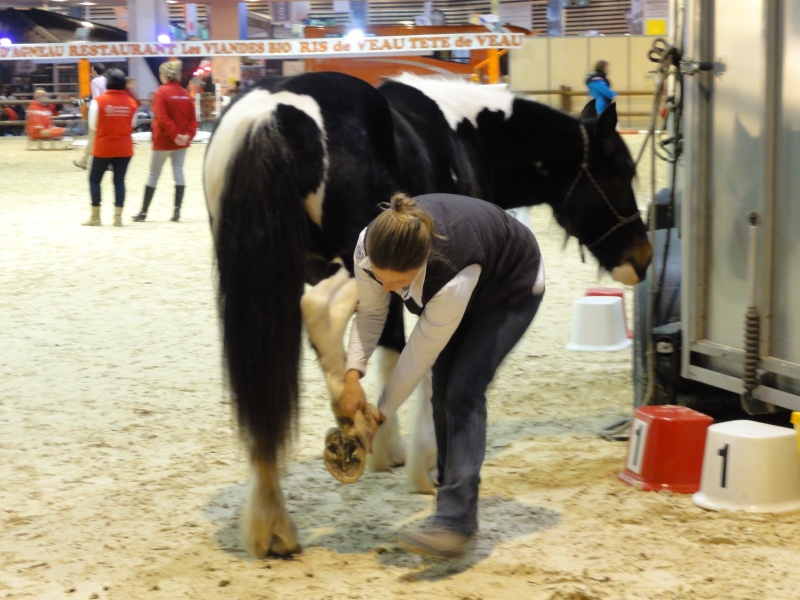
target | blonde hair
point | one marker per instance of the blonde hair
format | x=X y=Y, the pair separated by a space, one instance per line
x=171 y=70
x=400 y=239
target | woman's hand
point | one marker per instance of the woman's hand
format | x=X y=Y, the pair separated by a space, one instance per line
x=353 y=397
x=367 y=423
x=182 y=139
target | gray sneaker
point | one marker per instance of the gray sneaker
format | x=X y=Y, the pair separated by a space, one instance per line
x=438 y=542
x=79 y=164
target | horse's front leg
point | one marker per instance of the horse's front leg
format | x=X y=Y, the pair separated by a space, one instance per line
x=327 y=308
x=388 y=447
x=267 y=527
x=421 y=469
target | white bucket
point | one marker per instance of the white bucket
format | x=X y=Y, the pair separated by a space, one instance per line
x=598 y=325
x=750 y=466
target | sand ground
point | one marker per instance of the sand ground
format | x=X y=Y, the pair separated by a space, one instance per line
x=121 y=475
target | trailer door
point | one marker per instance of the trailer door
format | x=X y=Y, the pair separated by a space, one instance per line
x=742 y=156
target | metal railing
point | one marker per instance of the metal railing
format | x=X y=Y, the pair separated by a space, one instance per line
x=565 y=95
x=57 y=119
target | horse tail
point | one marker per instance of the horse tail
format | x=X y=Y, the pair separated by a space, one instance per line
x=267 y=163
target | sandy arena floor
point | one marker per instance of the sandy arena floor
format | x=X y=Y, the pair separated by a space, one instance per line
x=121 y=476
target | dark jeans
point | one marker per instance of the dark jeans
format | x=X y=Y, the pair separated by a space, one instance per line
x=461 y=375
x=99 y=166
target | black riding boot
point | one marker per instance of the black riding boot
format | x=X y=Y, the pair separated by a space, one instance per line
x=148 y=197
x=179 y=189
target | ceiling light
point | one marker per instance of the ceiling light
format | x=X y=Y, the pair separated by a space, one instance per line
x=88 y=3
x=354 y=35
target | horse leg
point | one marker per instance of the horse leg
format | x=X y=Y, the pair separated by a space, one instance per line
x=421 y=468
x=388 y=448
x=267 y=527
x=327 y=308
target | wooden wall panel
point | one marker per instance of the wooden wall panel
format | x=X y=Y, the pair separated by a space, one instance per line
x=569 y=59
x=529 y=66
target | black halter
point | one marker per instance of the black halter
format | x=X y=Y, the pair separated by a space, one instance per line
x=584 y=170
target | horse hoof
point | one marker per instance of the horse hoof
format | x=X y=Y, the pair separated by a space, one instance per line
x=345 y=455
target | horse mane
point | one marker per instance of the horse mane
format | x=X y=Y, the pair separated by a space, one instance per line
x=460 y=99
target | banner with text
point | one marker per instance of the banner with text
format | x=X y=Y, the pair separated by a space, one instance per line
x=271 y=49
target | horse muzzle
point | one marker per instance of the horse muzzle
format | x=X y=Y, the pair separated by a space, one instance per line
x=633 y=268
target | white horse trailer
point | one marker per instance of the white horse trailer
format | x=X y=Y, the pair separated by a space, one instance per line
x=726 y=320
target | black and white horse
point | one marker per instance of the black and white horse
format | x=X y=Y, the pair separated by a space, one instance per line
x=297 y=167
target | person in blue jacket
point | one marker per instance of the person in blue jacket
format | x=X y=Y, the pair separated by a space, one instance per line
x=599 y=86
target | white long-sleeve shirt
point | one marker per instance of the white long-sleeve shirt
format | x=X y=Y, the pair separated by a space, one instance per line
x=436 y=325
x=92 y=116
x=98 y=86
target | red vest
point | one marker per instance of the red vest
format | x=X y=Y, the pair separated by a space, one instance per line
x=114 y=125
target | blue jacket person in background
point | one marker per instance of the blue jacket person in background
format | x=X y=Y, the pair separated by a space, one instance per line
x=599 y=86
x=474 y=275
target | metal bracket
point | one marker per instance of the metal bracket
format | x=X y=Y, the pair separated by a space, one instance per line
x=692 y=67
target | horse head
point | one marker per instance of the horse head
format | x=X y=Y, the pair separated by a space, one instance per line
x=598 y=206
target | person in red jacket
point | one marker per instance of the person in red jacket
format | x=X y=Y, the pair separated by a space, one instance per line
x=111 y=116
x=174 y=125
x=39 y=119
x=9 y=114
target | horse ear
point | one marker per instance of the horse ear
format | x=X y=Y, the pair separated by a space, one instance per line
x=590 y=110
x=607 y=126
